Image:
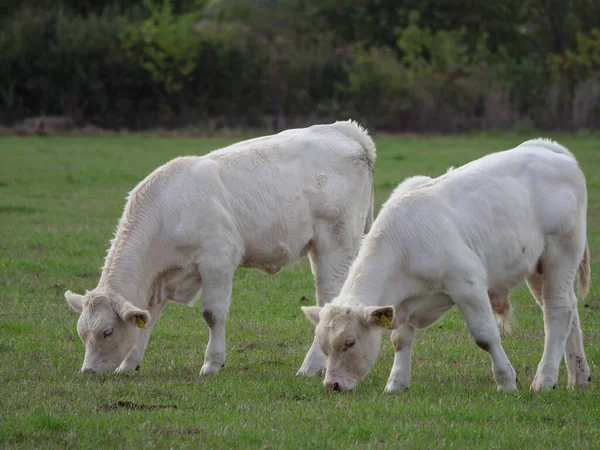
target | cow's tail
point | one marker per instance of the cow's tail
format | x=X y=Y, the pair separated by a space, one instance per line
x=355 y=131
x=370 y=213
x=583 y=274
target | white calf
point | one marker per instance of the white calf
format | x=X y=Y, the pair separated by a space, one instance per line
x=190 y=224
x=467 y=238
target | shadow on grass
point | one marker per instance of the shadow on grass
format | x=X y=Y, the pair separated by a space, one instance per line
x=134 y=406
x=18 y=209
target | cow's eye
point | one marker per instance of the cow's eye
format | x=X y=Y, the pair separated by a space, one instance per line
x=349 y=343
x=108 y=332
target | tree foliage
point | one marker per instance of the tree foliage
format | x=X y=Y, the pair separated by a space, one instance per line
x=427 y=64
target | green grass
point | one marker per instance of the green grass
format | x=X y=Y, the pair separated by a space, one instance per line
x=60 y=199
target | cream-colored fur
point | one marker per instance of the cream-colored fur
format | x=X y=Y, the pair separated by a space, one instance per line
x=187 y=227
x=466 y=239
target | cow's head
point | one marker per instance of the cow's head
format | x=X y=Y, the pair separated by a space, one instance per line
x=350 y=337
x=108 y=326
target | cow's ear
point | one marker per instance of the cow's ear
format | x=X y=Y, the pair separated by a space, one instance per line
x=74 y=300
x=131 y=314
x=312 y=312
x=382 y=316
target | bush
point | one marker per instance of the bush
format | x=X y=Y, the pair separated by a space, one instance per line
x=147 y=63
x=377 y=87
x=53 y=64
x=576 y=82
x=439 y=84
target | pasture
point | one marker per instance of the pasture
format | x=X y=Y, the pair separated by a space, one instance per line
x=60 y=199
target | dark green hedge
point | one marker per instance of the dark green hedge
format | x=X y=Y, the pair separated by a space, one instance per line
x=236 y=62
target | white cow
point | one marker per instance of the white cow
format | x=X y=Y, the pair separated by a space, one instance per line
x=189 y=225
x=499 y=301
x=467 y=238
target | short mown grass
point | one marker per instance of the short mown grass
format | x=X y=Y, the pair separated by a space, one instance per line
x=60 y=199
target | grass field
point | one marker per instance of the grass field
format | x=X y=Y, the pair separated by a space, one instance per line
x=60 y=199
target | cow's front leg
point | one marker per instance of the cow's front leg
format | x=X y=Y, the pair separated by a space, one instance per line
x=471 y=297
x=215 y=306
x=136 y=354
x=314 y=361
x=402 y=339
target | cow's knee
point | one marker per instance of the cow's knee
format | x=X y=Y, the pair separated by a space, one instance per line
x=402 y=337
x=486 y=337
x=209 y=318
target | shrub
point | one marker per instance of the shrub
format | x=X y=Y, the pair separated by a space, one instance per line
x=147 y=63
x=200 y=68
x=439 y=84
x=55 y=64
x=576 y=82
x=377 y=87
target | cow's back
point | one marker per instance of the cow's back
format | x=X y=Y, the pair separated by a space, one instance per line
x=501 y=207
x=277 y=188
x=538 y=183
x=313 y=172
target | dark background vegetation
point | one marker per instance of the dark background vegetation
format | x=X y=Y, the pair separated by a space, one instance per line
x=411 y=65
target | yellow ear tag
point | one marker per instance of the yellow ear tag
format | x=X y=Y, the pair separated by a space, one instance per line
x=141 y=324
x=385 y=322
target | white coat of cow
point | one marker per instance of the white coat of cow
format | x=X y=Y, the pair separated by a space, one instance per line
x=466 y=238
x=189 y=225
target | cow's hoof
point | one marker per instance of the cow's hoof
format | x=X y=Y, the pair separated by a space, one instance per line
x=210 y=368
x=126 y=368
x=310 y=372
x=541 y=384
x=580 y=381
x=398 y=386
x=507 y=388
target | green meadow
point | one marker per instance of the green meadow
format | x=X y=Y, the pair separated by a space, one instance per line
x=60 y=200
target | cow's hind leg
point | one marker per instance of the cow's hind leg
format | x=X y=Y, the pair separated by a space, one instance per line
x=330 y=256
x=577 y=366
x=216 y=299
x=574 y=355
x=560 y=315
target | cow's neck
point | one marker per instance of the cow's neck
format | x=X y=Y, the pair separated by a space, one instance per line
x=132 y=264
x=374 y=279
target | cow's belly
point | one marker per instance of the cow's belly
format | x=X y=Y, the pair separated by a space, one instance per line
x=270 y=248
x=273 y=257
x=509 y=266
x=420 y=312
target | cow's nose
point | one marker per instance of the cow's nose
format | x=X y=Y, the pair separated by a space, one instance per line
x=335 y=386
x=87 y=370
